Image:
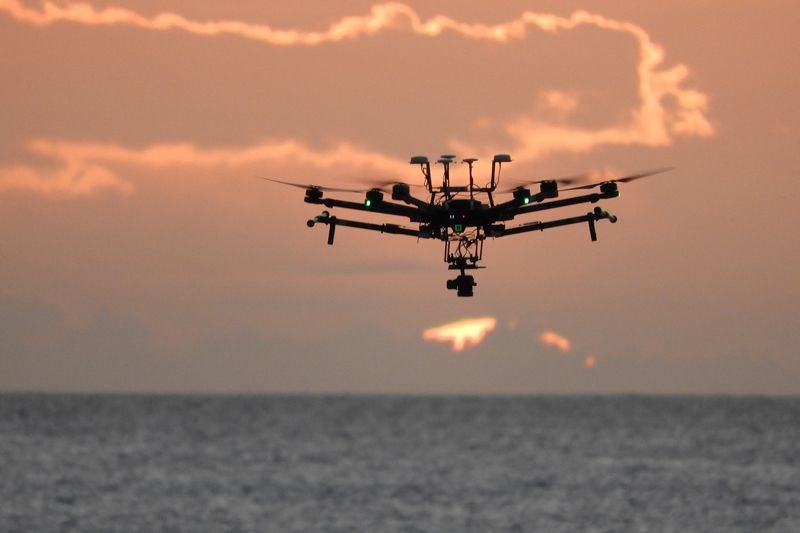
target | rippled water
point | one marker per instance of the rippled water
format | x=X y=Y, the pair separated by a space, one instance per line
x=318 y=463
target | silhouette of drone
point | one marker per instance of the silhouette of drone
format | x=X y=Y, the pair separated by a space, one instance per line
x=455 y=215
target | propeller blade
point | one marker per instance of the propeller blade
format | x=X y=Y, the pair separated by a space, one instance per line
x=319 y=187
x=652 y=172
x=566 y=180
x=386 y=185
x=624 y=179
x=590 y=186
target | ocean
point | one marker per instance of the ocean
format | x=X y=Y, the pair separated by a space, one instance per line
x=142 y=463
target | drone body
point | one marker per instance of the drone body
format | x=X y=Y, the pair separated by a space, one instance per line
x=464 y=216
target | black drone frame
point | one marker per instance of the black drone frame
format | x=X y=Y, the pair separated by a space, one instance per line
x=453 y=214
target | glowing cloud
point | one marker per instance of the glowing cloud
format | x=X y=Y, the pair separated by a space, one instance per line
x=470 y=331
x=559 y=102
x=73 y=179
x=651 y=123
x=85 y=168
x=185 y=154
x=551 y=338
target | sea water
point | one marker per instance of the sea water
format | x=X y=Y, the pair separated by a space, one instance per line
x=113 y=463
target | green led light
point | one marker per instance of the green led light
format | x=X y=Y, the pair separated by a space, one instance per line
x=458 y=228
x=526 y=200
x=368 y=202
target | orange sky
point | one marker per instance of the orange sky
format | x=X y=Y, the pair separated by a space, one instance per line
x=140 y=254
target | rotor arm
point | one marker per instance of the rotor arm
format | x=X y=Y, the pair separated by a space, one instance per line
x=420 y=204
x=383 y=228
x=590 y=218
x=383 y=207
x=332 y=222
x=512 y=208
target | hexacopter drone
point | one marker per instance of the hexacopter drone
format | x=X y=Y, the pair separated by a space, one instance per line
x=455 y=215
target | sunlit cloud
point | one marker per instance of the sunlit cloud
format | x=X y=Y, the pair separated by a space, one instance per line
x=78 y=169
x=564 y=345
x=551 y=338
x=653 y=122
x=186 y=154
x=468 y=332
x=561 y=103
x=73 y=180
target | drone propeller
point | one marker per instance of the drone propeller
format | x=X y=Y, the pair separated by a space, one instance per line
x=317 y=187
x=567 y=180
x=386 y=185
x=625 y=179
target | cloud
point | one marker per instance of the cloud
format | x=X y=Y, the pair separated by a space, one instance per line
x=551 y=338
x=186 y=154
x=561 y=103
x=73 y=179
x=564 y=345
x=86 y=168
x=470 y=331
x=653 y=122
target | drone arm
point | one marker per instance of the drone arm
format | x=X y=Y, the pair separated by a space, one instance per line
x=332 y=222
x=383 y=228
x=516 y=206
x=383 y=207
x=421 y=204
x=564 y=202
x=590 y=218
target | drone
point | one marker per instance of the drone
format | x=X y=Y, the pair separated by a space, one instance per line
x=463 y=216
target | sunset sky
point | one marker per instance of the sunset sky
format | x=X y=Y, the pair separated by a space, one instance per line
x=139 y=253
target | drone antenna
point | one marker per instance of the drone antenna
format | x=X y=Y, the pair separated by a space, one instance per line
x=425 y=166
x=445 y=160
x=470 y=161
x=497 y=163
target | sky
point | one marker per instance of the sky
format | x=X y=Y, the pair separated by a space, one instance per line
x=139 y=253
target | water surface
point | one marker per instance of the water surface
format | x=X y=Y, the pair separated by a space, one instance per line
x=109 y=463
